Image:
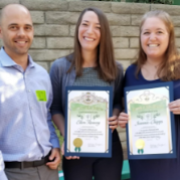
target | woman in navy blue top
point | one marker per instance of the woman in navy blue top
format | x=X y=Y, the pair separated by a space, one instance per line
x=157 y=62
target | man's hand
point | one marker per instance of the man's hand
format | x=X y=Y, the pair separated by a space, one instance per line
x=55 y=158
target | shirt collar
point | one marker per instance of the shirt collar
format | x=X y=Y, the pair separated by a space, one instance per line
x=31 y=62
x=7 y=61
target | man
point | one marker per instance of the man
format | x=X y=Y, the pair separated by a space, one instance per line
x=28 y=141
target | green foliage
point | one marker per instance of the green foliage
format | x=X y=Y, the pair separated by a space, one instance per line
x=107 y=0
x=146 y=1
x=153 y=1
x=61 y=139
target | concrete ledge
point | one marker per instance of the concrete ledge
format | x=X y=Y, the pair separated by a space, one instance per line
x=56 y=17
x=130 y=8
x=6 y=2
x=37 y=17
x=48 y=55
x=80 y=6
x=45 y=5
x=51 y=30
x=171 y=9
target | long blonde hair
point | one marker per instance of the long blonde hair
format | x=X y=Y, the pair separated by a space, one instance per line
x=170 y=67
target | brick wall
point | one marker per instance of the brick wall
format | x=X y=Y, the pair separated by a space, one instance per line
x=54 y=24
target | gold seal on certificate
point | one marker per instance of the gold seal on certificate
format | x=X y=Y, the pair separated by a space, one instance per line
x=87 y=126
x=140 y=146
x=150 y=122
x=78 y=143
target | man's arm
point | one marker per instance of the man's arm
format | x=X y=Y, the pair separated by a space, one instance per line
x=2 y=174
x=55 y=157
x=55 y=152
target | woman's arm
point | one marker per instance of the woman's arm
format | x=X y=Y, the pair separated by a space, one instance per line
x=118 y=90
x=58 y=120
x=56 y=75
x=117 y=106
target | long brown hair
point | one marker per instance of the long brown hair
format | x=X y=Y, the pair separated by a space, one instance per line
x=170 y=67
x=106 y=64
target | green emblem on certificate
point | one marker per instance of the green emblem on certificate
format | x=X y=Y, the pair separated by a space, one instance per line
x=78 y=143
x=41 y=95
x=140 y=146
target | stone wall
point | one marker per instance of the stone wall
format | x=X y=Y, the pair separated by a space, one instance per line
x=54 y=24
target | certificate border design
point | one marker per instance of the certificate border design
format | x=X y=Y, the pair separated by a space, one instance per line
x=107 y=89
x=172 y=153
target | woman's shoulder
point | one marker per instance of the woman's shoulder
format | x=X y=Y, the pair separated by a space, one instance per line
x=131 y=69
x=119 y=66
x=61 y=63
x=119 y=70
x=60 y=67
x=130 y=74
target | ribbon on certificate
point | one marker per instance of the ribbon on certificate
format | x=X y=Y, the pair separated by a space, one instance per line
x=77 y=149
x=140 y=146
x=77 y=143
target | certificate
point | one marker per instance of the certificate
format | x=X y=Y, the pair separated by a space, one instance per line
x=86 y=128
x=150 y=130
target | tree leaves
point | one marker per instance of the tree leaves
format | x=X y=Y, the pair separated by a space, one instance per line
x=154 y=1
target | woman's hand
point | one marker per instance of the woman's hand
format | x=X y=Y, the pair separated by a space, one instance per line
x=113 y=122
x=123 y=119
x=174 y=106
x=68 y=157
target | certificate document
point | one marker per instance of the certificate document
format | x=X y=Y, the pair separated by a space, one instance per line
x=87 y=129
x=150 y=130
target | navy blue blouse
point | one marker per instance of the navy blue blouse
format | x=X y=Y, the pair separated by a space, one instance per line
x=155 y=169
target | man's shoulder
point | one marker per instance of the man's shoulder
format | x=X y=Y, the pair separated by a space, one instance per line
x=40 y=69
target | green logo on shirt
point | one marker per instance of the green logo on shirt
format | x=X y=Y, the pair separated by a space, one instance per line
x=41 y=95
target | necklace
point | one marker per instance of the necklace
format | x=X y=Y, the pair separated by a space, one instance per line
x=149 y=72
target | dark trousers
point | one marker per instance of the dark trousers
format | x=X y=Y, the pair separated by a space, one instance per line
x=100 y=168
